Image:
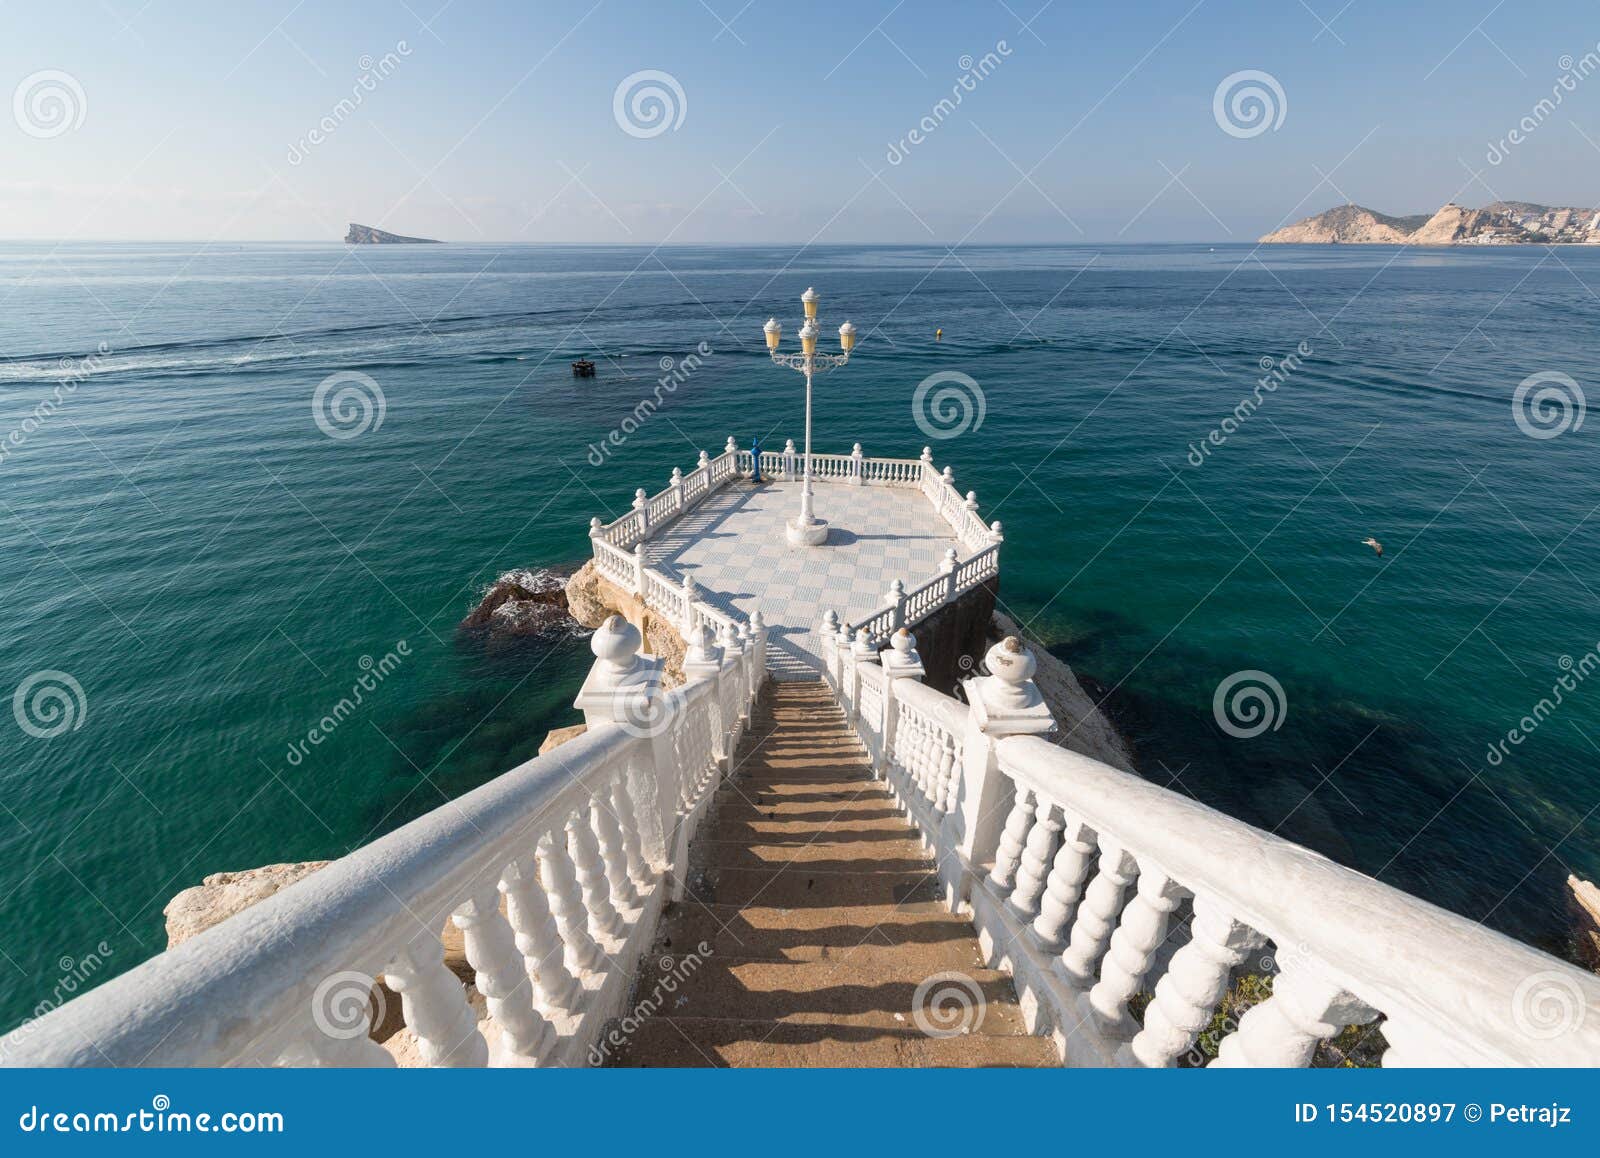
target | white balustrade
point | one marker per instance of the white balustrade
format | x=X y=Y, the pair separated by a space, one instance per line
x=1074 y=871
x=599 y=822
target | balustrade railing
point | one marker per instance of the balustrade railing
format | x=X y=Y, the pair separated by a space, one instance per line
x=1125 y=911
x=555 y=873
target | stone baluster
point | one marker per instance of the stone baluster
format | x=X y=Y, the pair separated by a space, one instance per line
x=1097 y=915
x=788 y=458
x=747 y=648
x=1008 y=855
x=502 y=977
x=604 y=920
x=827 y=635
x=1064 y=885
x=1037 y=852
x=638 y=867
x=687 y=624
x=1133 y=946
x=857 y=475
x=1188 y=993
x=638 y=570
x=566 y=903
x=676 y=484
x=1283 y=1030
x=435 y=1007
x=539 y=939
x=608 y=836
x=946 y=777
x=896 y=599
x=758 y=640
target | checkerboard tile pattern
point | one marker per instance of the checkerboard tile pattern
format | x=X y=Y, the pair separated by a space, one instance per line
x=734 y=548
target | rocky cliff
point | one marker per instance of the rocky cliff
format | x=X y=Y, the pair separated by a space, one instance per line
x=366 y=235
x=1498 y=223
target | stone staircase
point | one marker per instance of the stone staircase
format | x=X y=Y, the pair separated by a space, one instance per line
x=813 y=933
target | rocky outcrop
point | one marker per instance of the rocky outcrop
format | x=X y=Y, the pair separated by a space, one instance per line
x=558 y=736
x=1584 y=900
x=524 y=603
x=1347 y=225
x=221 y=895
x=1498 y=223
x=591 y=598
x=366 y=235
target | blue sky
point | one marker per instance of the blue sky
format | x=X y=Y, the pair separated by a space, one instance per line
x=495 y=121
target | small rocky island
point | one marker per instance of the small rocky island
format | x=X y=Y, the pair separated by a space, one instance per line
x=1498 y=223
x=367 y=235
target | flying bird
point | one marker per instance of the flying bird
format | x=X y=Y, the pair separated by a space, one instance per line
x=1369 y=541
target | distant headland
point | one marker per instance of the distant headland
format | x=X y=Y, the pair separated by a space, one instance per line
x=366 y=235
x=1498 y=223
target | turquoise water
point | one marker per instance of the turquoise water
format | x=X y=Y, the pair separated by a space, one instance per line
x=184 y=541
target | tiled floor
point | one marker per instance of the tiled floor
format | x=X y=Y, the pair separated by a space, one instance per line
x=734 y=547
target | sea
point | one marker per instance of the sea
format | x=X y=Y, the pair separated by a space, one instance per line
x=240 y=482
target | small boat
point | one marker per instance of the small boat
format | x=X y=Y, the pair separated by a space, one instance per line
x=583 y=368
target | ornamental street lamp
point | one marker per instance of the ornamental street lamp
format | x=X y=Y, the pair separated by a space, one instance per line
x=807 y=529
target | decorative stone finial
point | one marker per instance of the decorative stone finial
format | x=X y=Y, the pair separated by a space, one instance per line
x=758 y=622
x=677 y=477
x=701 y=657
x=995 y=530
x=615 y=643
x=788 y=446
x=830 y=623
x=727 y=640
x=950 y=476
x=688 y=586
x=972 y=500
x=855 y=451
x=927 y=455
x=594 y=526
x=861 y=648
x=639 y=499
x=705 y=461
x=901 y=660
x=897 y=591
x=1012 y=665
x=732 y=446
x=950 y=561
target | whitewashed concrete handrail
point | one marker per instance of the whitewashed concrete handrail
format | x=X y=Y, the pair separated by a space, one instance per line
x=1075 y=872
x=583 y=842
x=1450 y=990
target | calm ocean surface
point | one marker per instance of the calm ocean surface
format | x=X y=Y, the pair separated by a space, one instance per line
x=183 y=540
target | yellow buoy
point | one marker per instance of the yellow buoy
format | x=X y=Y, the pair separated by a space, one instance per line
x=938 y=335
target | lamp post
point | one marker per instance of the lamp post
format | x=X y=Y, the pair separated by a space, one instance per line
x=808 y=530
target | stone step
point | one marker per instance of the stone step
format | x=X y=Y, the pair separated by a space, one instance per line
x=924 y=932
x=755 y=826
x=846 y=992
x=793 y=887
x=817 y=855
x=702 y=1042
